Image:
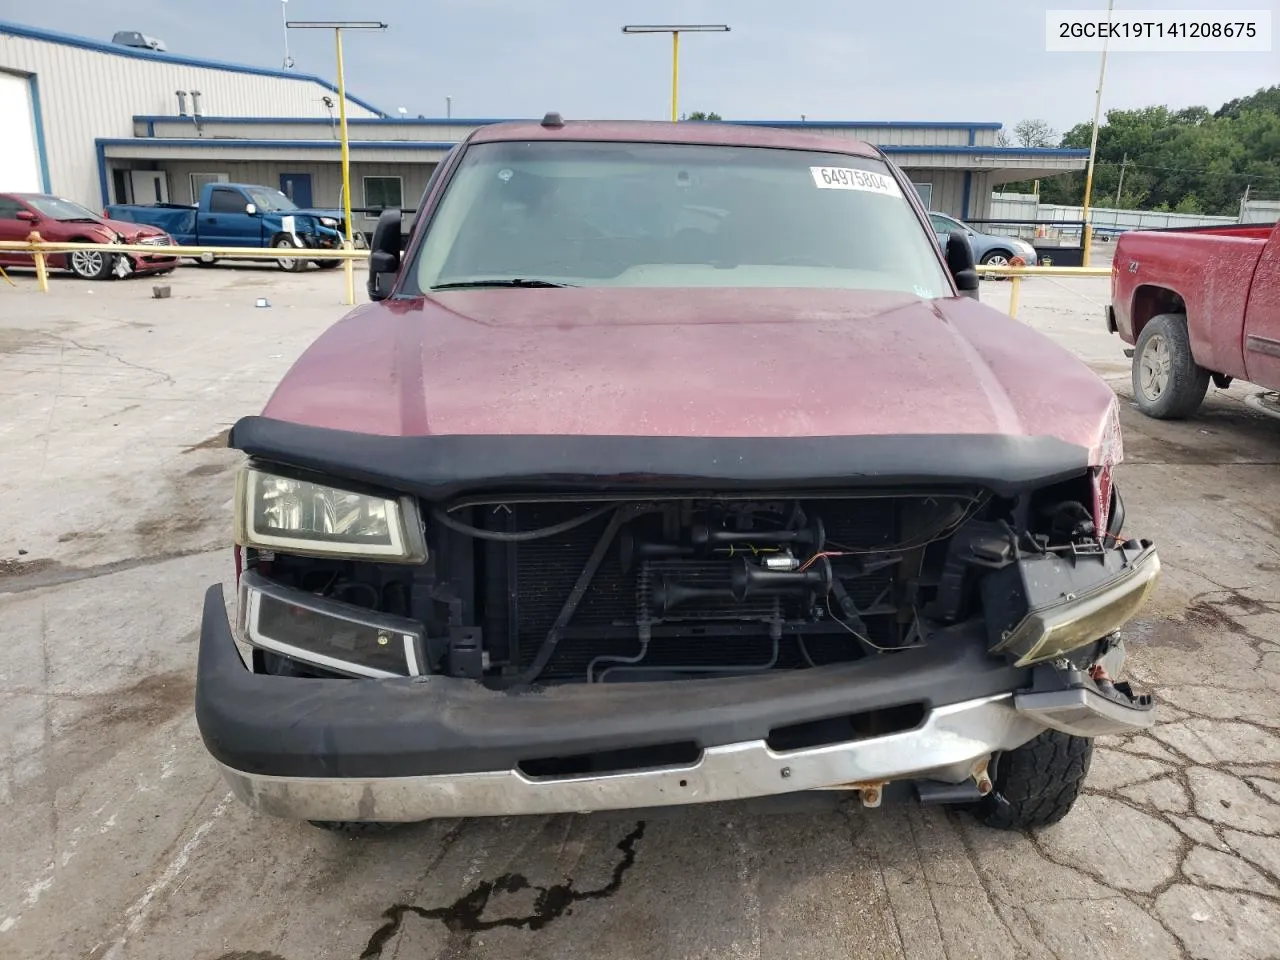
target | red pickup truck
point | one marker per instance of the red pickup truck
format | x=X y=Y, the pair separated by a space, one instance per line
x=1197 y=305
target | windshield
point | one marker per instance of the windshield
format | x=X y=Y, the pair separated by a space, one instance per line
x=670 y=215
x=271 y=200
x=55 y=208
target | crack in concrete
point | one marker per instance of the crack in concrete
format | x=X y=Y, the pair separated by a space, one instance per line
x=164 y=377
x=63 y=575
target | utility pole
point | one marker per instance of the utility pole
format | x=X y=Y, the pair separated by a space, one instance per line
x=1087 y=239
x=337 y=26
x=675 y=30
x=1123 y=163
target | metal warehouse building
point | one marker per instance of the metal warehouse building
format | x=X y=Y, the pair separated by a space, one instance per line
x=146 y=142
x=59 y=94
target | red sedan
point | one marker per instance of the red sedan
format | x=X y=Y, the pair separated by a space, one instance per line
x=62 y=221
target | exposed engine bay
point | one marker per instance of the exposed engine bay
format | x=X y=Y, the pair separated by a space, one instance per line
x=555 y=589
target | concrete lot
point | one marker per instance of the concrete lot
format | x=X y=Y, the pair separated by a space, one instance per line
x=120 y=841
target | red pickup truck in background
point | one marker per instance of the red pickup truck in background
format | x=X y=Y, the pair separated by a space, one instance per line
x=1197 y=304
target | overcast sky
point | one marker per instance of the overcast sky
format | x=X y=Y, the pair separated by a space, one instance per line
x=973 y=60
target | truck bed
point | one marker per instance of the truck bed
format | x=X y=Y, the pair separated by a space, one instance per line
x=178 y=220
x=1203 y=272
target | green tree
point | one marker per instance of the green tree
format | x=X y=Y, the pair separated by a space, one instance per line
x=700 y=115
x=1189 y=159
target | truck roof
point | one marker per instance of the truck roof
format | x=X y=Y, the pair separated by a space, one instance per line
x=659 y=131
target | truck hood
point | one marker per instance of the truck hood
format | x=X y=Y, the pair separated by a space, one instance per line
x=313 y=212
x=694 y=363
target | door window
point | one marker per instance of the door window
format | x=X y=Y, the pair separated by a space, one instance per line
x=9 y=209
x=226 y=201
x=943 y=224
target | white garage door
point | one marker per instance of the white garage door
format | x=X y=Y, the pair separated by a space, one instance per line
x=19 y=161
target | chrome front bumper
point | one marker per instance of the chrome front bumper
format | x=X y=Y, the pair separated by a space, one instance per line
x=949 y=746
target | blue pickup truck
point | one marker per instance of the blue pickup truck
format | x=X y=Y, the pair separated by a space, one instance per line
x=242 y=215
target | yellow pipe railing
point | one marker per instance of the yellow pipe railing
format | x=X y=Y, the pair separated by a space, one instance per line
x=1044 y=271
x=40 y=251
x=1015 y=275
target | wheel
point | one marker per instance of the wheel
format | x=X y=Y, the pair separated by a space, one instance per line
x=995 y=258
x=355 y=828
x=206 y=260
x=90 y=264
x=1036 y=784
x=291 y=264
x=1168 y=384
x=328 y=264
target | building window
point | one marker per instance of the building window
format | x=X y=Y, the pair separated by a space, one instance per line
x=381 y=193
x=926 y=194
x=198 y=180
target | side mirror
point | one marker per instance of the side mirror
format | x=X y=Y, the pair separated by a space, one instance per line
x=251 y=209
x=28 y=216
x=960 y=263
x=384 y=254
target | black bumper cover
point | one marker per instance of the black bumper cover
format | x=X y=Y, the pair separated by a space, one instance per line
x=288 y=726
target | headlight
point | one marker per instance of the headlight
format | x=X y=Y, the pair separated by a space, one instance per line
x=328 y=221
x=274 y=512
x=1044 y=607
x=335 y=636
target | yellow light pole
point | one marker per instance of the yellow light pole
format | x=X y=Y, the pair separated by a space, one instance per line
x=1093 y=148
x=337 y=26
x=675 y=29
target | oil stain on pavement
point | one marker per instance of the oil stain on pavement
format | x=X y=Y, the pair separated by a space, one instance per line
x=464 y=915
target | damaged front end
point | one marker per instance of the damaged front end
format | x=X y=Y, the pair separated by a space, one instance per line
x=531 y=588
x=552 y=646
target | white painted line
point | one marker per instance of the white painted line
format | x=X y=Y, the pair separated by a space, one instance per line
x=138 y=912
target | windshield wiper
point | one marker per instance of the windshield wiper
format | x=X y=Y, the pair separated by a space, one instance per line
x=511 y=282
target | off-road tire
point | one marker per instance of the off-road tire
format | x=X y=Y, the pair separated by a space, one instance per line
x=355 y=828
x=1186 y=383
x=1036 y=784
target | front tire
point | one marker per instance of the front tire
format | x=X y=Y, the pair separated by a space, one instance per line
x=995 y=258
x=1168 y=384
x=328 y=264
x=90 y=264
x=1036 y=784
x=289 y=264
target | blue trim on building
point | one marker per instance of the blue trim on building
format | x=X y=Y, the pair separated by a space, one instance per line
x=37 y=118
x=1069 y=152
x=235 y=143
x=971 y=128
x=151 y=129
x=68 y=40
x=101 y=147
x=351 y=121
x=973 y=136
x=964 y=195
x=845 y=124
